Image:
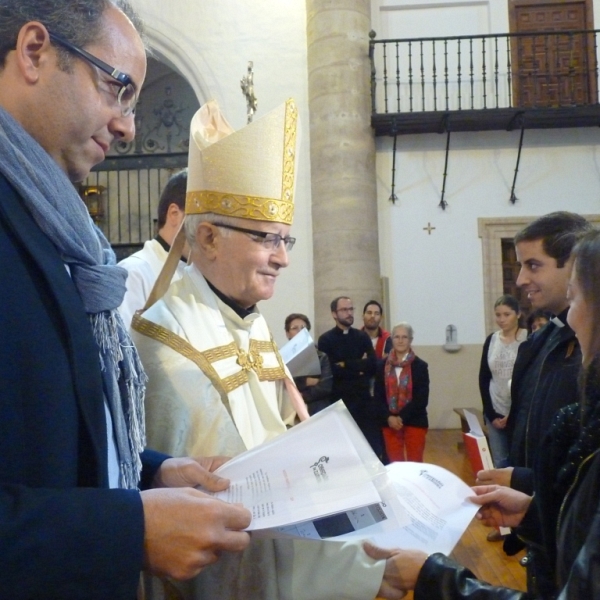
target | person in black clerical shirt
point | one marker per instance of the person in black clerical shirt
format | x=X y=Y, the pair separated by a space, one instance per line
x=353 y=363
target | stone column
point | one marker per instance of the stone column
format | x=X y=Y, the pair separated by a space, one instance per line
x=344 y=201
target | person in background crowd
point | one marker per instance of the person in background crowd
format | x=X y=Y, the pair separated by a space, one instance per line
x=144 y=266
x=316 y=389
x=537 y=319
x=495 y=372
x=372 y=315
x=402 y=392
x=353 y=364
x=563 y=516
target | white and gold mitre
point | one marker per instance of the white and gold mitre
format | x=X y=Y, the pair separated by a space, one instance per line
x=249 y=173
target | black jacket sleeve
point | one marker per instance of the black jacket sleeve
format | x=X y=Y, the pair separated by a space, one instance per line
x=379 y=395
x=321 y=391
x=443 y=579
x=485 y=378
x=415 y=412
x=365 y=366
x=522 y=480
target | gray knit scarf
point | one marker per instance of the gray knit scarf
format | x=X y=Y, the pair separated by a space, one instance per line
x=61 y=214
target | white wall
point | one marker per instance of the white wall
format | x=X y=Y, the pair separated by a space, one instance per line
x=210 y=44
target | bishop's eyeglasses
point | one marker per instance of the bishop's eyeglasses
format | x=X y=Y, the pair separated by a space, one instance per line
x=268 y=240
x=126 y=94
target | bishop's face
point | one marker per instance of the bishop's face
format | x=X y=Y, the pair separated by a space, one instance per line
x=248 y=269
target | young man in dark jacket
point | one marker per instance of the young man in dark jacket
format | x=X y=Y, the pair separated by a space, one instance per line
x=545 y=374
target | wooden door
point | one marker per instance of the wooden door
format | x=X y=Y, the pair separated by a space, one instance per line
x=552 y=68
x=510 y=272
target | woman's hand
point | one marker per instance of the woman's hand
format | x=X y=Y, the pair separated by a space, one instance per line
x=500 y=423
x=395 y=422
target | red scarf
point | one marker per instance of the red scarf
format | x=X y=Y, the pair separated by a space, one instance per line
x=398 y=389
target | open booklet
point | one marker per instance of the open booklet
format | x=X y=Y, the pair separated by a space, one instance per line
x=321 y=480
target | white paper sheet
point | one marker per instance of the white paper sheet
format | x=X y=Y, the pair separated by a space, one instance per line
x=300 y=355
x=473 y=421
x=319 y=467
x=436 y=503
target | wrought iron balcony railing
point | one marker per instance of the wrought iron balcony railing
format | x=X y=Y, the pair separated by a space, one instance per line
x=496 y=81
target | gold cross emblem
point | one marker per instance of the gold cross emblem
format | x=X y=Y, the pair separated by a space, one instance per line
x=250 y=360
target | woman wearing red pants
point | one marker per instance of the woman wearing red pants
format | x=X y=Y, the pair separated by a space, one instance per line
x=402 y=392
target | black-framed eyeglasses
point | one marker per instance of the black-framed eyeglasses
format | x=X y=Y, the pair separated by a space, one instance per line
x=269 y=240
x=126 y=96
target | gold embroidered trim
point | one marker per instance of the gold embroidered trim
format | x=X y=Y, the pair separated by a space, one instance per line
x=251 y=360
x=279 y=359
x=221 y=352
x=235 y=381
x=181 y=346
x=262 y=346
x=289 y=152
x=238 y=205
x=277 y=210
x=270 y=373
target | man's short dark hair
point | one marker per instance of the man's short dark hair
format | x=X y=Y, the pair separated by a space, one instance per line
x=334 y=302
x=293 y=317
x=174 y=193
x=77 y=22
x=375 y=303
x=559 y=232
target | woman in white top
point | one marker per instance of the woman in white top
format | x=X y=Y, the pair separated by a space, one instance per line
x=497 y=361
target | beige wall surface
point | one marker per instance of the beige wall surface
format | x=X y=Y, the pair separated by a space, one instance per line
x=453 y=382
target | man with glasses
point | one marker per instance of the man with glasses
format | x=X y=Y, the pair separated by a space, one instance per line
x=353 y=364
x=73 y=524
x=217 y=384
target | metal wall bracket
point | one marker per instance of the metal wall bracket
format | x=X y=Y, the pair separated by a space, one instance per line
x=443 y=202
x=513 y=198
x=393 y=196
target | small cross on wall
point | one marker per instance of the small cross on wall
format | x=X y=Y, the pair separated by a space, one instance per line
x=428 y=229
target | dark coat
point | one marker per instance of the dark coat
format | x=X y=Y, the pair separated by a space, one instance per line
x=63 y=534
x=414 y=414
x=544 y=380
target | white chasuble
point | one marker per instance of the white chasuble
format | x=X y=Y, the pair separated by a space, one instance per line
x=215 y=379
